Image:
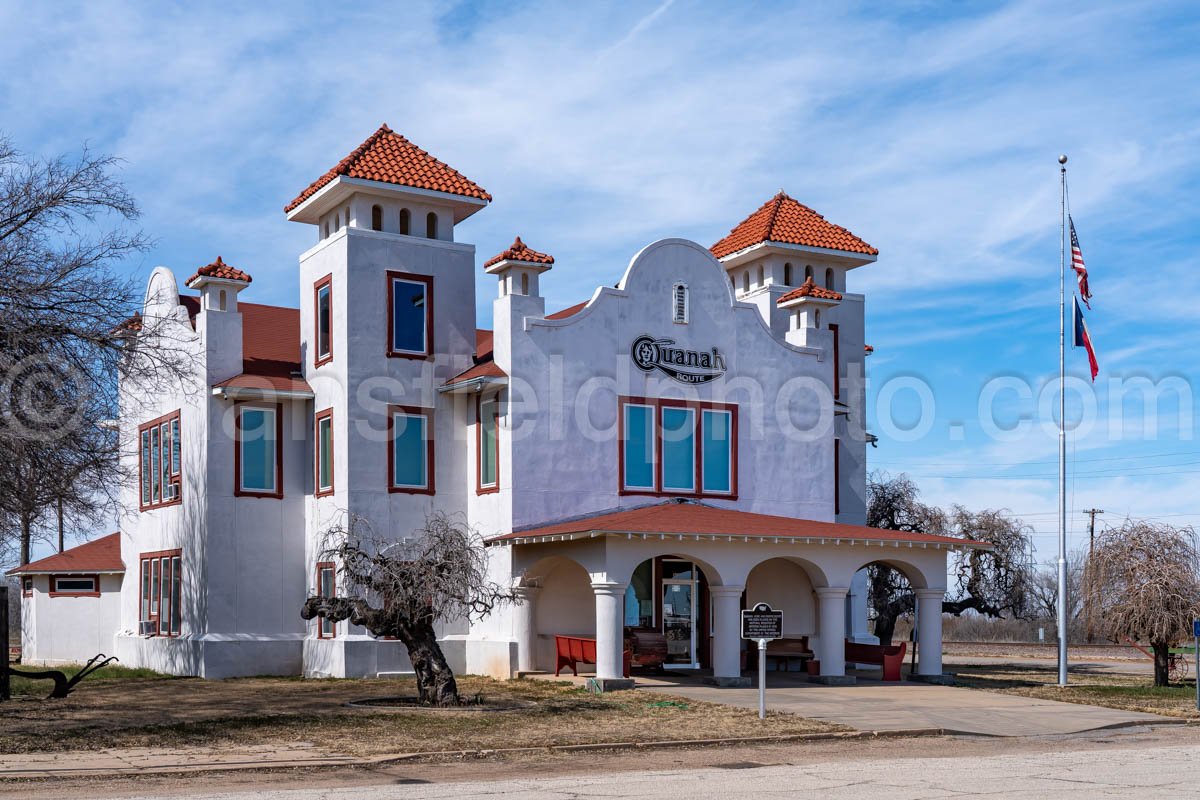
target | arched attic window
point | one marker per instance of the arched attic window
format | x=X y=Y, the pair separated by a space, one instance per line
x=808 y=272
x=337 y=222
x=829 y=278
x=525 y=283
x=745 y=281
x=679 y=303
x=787 y=274
x=431 y=231
x=405 y=221
x=376 y=218
x=762 y=281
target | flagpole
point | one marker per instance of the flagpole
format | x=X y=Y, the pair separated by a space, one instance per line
x=1062 y=431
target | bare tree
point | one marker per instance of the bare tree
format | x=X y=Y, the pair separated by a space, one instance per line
x=1142 y=582
x=64 y=337
x=991 y=582
x=400 y=589
x=1043 y=593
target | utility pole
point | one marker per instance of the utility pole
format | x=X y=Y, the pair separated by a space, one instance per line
x=1091 y=512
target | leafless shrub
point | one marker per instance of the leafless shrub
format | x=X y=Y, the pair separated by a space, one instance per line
x=401 y=588
x=1142 y=583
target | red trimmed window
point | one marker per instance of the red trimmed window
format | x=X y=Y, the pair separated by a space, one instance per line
x=677 y=448
x=161 y=609
x=74 y=585
x=27 y=586
x=323 y=453
x=837 y=476
x=323 y=321
x=837 y=363
x=410 y=450
x=410 y=315
x=326 y=587
x=258 y=450
x=487 y=445
x=160 y=462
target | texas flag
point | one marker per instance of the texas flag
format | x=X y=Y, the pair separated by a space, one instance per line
x=1082 y=338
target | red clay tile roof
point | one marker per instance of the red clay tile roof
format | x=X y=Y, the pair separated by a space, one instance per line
x=270 y=337
x=782 y=219
x=219 y=269
x=868 y=349
x=485 y=365
x=388 y=157
x=672 y=517
x=519 y=251
x=98 y=555
x=809 y=289
x=483 y=344
x=568 y=312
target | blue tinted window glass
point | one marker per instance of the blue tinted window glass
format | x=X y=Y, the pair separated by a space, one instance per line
x=408 y=316
x=488 y=450
x=409 y=451
x=717 y=450
x=258 y=449
x=639 y=447
x=679 y=449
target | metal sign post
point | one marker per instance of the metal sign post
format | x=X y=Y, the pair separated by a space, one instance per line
x=762 y=623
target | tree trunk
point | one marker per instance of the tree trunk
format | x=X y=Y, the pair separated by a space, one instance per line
x=1162 y=663
x=435 y=680
x=26 y=538
x=60 y=525
x=885 y=625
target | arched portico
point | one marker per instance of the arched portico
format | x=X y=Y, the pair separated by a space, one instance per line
x=927 y=582
x=805 y=568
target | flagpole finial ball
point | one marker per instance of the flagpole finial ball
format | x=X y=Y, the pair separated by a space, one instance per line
x=1062 y=159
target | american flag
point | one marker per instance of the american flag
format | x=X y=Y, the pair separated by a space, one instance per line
x=1085 y=293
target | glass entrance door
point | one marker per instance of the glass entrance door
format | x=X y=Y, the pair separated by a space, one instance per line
x=679 y=612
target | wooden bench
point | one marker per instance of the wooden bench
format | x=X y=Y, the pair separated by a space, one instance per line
x=571 y=651
x=890 y=657
x=788 y=649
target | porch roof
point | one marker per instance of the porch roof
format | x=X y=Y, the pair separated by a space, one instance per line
x=702 y=521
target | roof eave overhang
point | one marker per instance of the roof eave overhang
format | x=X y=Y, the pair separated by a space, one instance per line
x=845 y=258
x=513 y=263
x=808 y=300
x=261 y=393
x=198 y=282
x=474 y=385
x=106 y=571
x=536 y=538
x=332 y=193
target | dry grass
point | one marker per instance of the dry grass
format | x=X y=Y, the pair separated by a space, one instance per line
x=1113 y=690
x=188 y=712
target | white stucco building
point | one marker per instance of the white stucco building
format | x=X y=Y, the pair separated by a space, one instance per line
x=681 y=445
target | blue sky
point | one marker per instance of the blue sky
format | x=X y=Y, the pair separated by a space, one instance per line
x=931 y=131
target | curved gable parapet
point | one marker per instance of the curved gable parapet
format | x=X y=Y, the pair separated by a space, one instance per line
x=161 y=300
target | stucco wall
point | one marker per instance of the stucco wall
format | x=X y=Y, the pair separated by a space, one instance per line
x=69 y=630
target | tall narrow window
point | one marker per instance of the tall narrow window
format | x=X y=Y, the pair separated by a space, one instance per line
x=837 y=363
x=337 y=222
x=829 y=278
x=762 y=281
x=405 y=221
x=808 y=272
x=431 y=226
x=679 y=303
x=487 y=449
x=410 y=457
x=639 y=444
x=26 y=586
x=410 y=311
x=745 y=281
x=323 y=452
x=525 y=283
x=326 y=587
x=716 y=432
x=678 y=450
x=258 y=466
x=787 y=274
x=145 y=590
x=837 y=476
x=376 y=218
x=159 y=462
x=323 y=320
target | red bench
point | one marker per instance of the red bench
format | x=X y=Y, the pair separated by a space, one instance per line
x=571 y=651
x=890 y=657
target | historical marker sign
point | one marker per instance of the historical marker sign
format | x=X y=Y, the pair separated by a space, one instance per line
x=762 y=622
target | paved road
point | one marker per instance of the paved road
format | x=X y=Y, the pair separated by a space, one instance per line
x=1167 y=771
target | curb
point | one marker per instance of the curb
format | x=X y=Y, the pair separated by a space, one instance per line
x=399 y=758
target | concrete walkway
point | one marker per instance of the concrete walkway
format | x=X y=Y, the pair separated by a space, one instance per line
x=876 y=706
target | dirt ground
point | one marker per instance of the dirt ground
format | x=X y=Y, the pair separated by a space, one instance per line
x=189 y=712
x=561 y=764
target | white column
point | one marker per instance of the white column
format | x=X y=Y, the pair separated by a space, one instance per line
x=610 y=629
x=832 y=653
x=929 y=631
x=727 y=637
x=525 y=627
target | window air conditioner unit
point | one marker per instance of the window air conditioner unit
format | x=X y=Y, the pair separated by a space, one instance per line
x=148 y=627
